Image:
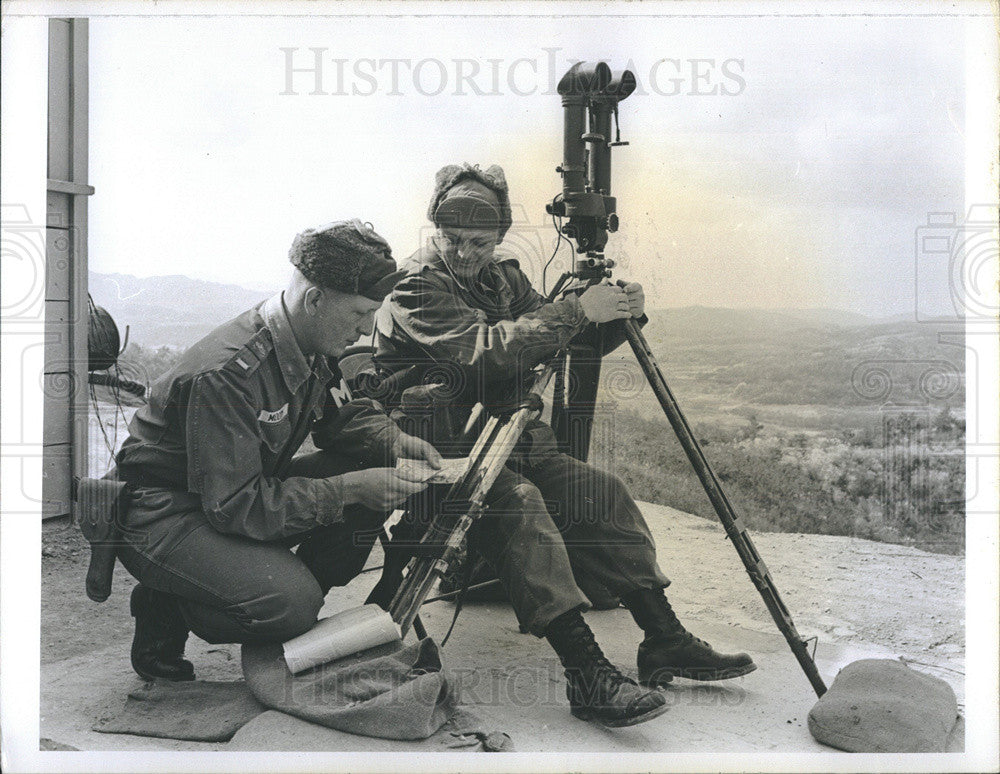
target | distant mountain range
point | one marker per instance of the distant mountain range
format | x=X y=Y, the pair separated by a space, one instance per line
x=176 y=310
x=173 y=310
x=816 y=356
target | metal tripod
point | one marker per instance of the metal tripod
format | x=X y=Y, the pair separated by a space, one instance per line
x=590 y=95
x=572 y=421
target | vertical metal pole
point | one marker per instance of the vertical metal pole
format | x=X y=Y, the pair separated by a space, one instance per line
x=737 y=533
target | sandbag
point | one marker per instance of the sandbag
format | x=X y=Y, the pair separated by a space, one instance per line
x=393 y=691
x=884 y=706
x=197 y=711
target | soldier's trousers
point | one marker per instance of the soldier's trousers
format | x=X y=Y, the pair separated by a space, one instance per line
x=231 y=588
x=560 y=532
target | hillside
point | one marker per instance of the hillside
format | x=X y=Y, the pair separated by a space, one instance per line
x=803 y=357
x=817 y=420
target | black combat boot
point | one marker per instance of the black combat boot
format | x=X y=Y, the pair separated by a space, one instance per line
x=595 y=688
x=160 y=634
x=670 y=650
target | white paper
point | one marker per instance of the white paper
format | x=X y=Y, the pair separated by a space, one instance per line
x=342 y=634
x=449 y=472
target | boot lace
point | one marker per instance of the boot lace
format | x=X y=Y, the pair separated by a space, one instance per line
x=677 y=632
x=598 y=662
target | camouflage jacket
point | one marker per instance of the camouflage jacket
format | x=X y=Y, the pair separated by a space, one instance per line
x=478 y=343
x=225 y=421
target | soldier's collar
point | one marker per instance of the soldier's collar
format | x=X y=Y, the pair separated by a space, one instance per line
x=294 y=367
x=480 y=295
x=435 y=260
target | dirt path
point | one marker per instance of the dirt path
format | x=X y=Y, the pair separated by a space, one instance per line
x=861 y=599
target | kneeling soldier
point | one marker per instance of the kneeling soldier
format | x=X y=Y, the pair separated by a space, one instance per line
x=218 y=500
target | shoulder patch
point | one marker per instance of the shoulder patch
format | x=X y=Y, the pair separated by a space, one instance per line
x=248 y=359
x=341 y=393
x=273 y=417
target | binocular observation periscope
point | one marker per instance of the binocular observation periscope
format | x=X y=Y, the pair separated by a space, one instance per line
x=590 y=96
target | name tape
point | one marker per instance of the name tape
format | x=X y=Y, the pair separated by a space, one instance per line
x=271 y=417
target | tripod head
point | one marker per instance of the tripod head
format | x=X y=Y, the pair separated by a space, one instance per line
x=590 y=96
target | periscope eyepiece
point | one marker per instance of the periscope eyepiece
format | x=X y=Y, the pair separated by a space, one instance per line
x=590 y=94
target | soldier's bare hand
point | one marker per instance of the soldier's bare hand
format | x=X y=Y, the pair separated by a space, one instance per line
x=603 y=303
x=380 y=489
x=636 y=298
x=413 y=448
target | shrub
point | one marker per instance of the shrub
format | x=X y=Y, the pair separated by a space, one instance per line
x=804 y=483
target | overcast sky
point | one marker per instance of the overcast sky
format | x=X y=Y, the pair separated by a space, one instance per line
x=788 y=166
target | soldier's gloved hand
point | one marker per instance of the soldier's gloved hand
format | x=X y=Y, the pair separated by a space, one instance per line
x=636 y=298
x=604 y=303
x=413 y=448
x=380 y=489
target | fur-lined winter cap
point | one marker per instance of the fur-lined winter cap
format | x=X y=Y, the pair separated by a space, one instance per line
x=467 y=197
x=347 y=256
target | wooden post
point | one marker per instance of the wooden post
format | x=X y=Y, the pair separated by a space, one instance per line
x=65 y=432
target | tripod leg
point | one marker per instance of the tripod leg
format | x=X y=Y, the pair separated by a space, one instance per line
x=737 y=533
x=558 y=393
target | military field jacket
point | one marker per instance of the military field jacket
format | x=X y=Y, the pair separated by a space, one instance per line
x=226 y=420
x=483 y=340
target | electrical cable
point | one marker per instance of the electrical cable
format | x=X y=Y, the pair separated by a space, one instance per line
x=559 y=241
x=116 y=389
x=460 y=599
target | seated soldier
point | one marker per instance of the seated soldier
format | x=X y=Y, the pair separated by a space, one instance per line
x=559 y=532
x=217 y=500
